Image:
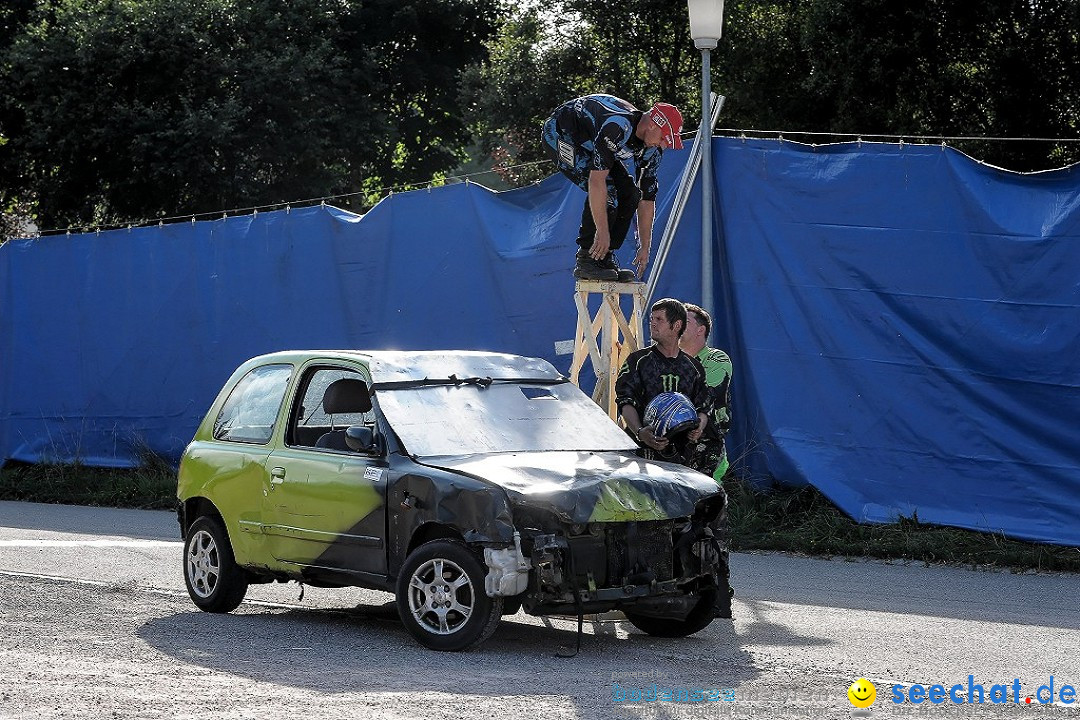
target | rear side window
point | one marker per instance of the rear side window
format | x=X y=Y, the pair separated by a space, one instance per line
x=251 y=410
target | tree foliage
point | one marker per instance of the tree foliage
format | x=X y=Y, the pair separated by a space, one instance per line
x=540 y=59
x=1003 y=68
x=117 y=110
x=531 y=70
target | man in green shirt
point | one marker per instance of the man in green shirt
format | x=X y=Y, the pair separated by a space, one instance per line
x=712 y=457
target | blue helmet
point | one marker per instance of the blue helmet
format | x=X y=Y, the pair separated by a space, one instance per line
x=670 y=413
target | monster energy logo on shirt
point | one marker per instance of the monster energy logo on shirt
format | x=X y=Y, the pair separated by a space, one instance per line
x=670 y=383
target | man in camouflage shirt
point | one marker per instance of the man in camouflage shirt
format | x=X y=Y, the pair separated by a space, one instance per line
x=611 y=150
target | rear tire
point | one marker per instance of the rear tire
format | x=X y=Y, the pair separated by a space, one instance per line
x=697 y=620
x=214 y=581
x=441 y=597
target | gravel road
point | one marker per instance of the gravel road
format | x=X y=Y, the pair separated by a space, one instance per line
x=96 y=624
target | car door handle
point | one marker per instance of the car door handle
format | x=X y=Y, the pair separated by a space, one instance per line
x=277 y=475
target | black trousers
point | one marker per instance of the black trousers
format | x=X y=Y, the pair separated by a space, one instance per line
x=625 y=193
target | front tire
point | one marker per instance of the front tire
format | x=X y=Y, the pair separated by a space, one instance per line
x=697 y=620
x=441 y=598
x=214 y=581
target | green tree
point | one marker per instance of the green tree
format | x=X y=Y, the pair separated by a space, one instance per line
x=118 y=110
x=14 y=212
x=14 y=14
x=532 y=69
x=642 y=49
x=1004 y=68
x=1030 y=53
x=538 y=60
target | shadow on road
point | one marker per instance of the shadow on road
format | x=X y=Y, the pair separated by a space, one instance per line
x=761 y=631
x=368 y=649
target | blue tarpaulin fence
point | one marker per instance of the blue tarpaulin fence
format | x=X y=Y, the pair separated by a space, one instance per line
x=903 y=321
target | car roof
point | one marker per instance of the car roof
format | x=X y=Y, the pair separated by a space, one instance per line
x=406 y=365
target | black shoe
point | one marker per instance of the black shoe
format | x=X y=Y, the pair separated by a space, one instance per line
x=623 y=275
x=723 y=604
x=588 y=269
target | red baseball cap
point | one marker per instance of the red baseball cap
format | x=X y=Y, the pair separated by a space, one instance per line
x=669 y=118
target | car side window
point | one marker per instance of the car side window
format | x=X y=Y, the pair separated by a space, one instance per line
x=312 y=419
x=250 y=412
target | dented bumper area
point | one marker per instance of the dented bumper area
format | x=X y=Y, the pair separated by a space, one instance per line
x=656 y=568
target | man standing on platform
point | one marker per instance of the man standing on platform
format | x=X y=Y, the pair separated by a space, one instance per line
x=711 y=457
x=612 y=150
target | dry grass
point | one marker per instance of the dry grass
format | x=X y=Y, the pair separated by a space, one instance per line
x=150 y=486
x=803 y=520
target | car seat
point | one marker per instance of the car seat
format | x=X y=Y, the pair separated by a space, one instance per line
x=345 y=396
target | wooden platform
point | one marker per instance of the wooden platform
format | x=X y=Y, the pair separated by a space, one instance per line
x=607 y=337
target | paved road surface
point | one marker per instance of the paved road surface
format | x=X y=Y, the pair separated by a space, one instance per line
x=96 y=624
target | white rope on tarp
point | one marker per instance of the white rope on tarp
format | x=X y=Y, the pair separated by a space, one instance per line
x=941 y=141
x=285 y=204
x=389 y=190
x=886 y=137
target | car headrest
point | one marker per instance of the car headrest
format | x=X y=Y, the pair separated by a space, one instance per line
x=347 y=396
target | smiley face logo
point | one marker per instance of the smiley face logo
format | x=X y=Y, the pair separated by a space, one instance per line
x=862 y=693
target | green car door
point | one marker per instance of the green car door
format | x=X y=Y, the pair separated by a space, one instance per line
x=324 y=506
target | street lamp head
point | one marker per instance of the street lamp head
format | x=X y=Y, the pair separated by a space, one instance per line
x=706 y=22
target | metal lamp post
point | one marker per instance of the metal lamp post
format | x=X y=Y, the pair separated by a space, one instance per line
x=706 y=23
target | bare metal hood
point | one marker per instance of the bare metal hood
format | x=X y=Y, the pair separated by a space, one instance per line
x=583 y=487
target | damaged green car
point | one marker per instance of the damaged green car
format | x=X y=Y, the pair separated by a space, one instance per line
x=470 y=485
